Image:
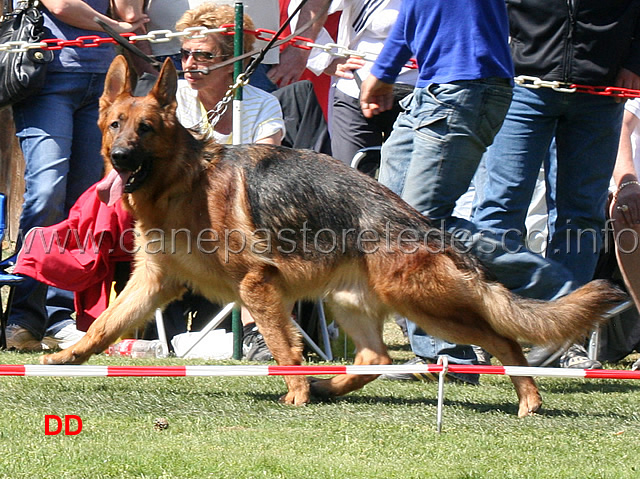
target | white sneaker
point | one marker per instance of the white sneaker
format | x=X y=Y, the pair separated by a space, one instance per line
x=576 y=357
x=21 y=339
x=62 y=335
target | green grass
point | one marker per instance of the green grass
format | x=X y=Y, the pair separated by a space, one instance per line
x=235 y=428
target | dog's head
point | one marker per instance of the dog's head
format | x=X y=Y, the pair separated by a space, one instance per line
x=136 y=130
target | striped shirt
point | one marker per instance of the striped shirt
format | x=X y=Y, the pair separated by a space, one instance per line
x=261 y=114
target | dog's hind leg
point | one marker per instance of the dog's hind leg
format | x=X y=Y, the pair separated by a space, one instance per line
x=273 y=317
x=509 y=353
x=133 y=307
x=466 y=327
x=362 y=322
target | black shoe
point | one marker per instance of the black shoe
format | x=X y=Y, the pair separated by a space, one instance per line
x=254 y=348
x=482 y=355
x=462 y=378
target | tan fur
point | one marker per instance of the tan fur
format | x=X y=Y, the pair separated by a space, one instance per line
x=193 y=187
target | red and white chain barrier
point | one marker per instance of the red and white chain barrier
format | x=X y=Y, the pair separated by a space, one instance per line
x=561 y=87
x=36 y=370
x=162 y=36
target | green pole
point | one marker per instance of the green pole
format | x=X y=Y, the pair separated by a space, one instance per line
x=238 y=46
x=238 y=49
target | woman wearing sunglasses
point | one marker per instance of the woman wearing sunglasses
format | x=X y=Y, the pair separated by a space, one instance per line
x=204 y=85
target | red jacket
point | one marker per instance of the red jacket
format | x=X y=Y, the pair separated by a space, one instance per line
x=80 y=253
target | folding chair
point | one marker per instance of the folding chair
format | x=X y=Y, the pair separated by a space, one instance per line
x=367 y=161
x=6 y=279
x=593 y=348
x=316 y=318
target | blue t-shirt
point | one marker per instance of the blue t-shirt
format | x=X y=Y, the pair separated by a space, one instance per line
x=75 y=59
x=451 y=40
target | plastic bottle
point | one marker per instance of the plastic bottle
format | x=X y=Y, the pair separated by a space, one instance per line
x=138 y=348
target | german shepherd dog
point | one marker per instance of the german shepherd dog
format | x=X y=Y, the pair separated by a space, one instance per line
x=265 y=226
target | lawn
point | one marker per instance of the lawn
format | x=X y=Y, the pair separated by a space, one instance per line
x=234 y=427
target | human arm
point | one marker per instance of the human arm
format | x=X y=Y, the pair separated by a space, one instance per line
x=128 y=10
x=275 y=139
x=263 y=119
x=81 y=15
x=293 y=60
x=131 y=11
x=626 y=205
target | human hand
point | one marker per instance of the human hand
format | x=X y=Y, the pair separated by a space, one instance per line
x=376 y=96
x=293 y=62
x=125 y=27
x=627 y=79
x=344 y=68
x=625 y=208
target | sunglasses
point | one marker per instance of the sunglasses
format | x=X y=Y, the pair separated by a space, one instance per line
x=198 y=55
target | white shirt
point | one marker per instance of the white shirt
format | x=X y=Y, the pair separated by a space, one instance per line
x=364 y=26
x=261 y=114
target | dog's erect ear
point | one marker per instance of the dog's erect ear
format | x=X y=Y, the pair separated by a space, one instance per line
x=165 y=88
x=118 y=81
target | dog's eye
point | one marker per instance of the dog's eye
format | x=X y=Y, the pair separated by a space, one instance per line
x=145 y=128
x=114 y=125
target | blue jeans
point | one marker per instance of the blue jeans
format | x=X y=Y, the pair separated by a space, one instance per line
x=60 y=142
x=430 y=159
x=586 y=129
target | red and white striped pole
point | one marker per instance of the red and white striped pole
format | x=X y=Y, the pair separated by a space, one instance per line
x=34 y=370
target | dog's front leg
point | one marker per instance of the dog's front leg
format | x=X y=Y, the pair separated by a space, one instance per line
x=133 y=307
x=273 y=318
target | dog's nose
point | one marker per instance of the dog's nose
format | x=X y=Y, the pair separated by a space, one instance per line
x=119 y=156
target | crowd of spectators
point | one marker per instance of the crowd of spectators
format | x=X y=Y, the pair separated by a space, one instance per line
x=456 y=128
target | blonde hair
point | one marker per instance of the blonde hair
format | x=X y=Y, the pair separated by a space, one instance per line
x=211 y=15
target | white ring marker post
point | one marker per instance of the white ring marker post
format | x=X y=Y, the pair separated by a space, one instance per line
x=444 y=362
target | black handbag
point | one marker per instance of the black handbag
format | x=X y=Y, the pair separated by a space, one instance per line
x=22 y=73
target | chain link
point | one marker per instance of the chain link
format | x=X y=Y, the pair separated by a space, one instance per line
x=341 y=51
x=221 y=107
x=163 y=36
x=21 y=46
x=564 y=87
x=608 y=91
x=535 y=83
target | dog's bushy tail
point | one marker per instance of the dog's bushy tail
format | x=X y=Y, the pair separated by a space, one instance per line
x=568 y=318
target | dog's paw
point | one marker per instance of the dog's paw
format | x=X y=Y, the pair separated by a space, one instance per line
x=321 y=388
x=294 y=398
x=530 y=406
x=63 y=357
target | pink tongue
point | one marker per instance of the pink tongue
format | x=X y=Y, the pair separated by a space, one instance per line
x=111 y=188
